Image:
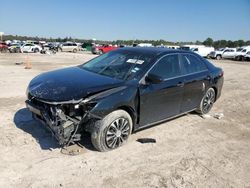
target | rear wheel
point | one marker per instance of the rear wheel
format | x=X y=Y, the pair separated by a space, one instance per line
x=207 y=102
x=75 y=50
x=36 y=50
x=112 y=131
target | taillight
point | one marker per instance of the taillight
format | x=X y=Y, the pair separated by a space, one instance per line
x=221 y=73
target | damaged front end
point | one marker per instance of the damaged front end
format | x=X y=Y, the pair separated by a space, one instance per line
x=64 y=119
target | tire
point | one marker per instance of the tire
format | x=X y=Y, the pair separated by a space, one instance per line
x=100 y=52
x=36 y=50
x=218 y=57
x=74 y=50
x=112 y=131
x=207 y=102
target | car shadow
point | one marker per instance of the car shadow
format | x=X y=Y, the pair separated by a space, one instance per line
x=23 y=120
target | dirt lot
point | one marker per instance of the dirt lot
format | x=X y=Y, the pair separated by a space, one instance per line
x=190 y=151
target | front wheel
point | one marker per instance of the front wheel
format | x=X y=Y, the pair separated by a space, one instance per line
x=218 y=57
x=112 y=131
x=207 y=102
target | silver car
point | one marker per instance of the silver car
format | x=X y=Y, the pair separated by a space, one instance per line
x=69 y=47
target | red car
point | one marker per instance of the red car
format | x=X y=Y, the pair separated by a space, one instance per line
x=102 y=49
x=3 y=47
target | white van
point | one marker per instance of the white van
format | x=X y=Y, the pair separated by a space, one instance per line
x=190 y=46
x=145 y=45
x=203 y=51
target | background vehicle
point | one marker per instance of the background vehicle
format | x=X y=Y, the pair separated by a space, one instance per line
x=87 y=46
x=123 y=91
x=14 y=48
x=190 y=46
x=102 y=49
x=203 y=51
x=144 y=45
x=172 y=46
x=3 y=47
x=229 y=53
x=247 y=56
x=239 y=56
x=28 y=48
x=217 y=54
x=69 y=47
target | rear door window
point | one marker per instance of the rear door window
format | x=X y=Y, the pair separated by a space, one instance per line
x=191 y=64
x=168 y=67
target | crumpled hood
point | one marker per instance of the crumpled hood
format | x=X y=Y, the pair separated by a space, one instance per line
x=69 y=84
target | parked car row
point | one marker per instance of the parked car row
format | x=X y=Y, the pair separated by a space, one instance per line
x=238 y=54
x=35 y=47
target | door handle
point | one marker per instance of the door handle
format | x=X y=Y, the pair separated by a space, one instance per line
x=180 y=84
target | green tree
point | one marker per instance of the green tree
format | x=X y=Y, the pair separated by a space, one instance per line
x=208 y=42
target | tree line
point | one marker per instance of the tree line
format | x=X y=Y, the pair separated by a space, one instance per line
x=208 y=42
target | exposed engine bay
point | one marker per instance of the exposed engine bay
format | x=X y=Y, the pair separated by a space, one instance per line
x=62 y=119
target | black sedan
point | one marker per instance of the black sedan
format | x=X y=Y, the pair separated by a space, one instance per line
x=123 y=91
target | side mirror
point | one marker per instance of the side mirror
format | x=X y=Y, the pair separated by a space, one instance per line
x=153 y=79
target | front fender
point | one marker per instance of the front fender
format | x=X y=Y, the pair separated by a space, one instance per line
x=126 y=97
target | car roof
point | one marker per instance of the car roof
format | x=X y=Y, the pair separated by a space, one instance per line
x=154 y=51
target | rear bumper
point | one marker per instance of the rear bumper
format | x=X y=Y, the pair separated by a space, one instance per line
x=219 y=86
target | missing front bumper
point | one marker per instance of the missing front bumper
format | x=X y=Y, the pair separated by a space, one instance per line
x=64 y=128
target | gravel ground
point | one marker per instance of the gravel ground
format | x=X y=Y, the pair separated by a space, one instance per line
x=190 y=151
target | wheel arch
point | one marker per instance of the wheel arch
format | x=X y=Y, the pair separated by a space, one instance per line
x=216 y=91
x=131 y=112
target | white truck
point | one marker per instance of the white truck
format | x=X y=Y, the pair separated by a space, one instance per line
x=237 y=54
x=247 y=56
x=217 y=54
x=240 y=55
x=229 y=53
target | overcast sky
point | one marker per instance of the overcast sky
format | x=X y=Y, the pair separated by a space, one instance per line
x=171 y=20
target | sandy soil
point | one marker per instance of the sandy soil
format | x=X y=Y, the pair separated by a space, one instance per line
x=189 y=151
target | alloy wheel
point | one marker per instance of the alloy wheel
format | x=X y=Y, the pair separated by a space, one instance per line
x=117 y=133
x=208 y=101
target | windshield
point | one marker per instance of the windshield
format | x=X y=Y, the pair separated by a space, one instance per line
x=239 y=49
x=122 y=65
